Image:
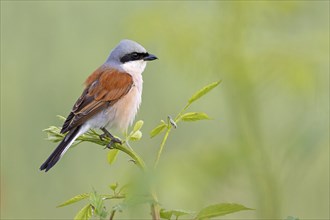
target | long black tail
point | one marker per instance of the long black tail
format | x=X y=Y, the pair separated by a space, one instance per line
x=61 y=149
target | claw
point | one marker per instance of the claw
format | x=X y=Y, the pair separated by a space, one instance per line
x=102 y=136
x=112 y=141
x=116 y=140
x=110 y=145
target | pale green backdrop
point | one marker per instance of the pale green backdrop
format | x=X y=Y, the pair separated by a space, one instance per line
x=267 y=146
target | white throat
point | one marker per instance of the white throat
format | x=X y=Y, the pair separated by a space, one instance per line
x=134 y=67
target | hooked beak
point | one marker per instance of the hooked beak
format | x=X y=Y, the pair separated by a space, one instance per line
x=150 y=57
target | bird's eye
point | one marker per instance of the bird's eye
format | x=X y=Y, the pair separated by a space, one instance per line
x=135 y=56
x=132 y=57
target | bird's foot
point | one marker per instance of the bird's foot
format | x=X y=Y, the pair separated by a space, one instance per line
x=113 y=142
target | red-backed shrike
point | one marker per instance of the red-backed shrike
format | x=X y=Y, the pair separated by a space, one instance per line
x=110 y=100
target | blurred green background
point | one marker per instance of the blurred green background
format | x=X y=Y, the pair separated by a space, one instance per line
x=267 y=147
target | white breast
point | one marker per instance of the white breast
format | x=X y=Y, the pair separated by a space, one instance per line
x=123 y=112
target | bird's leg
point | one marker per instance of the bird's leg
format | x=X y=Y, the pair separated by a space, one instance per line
x=113 y=139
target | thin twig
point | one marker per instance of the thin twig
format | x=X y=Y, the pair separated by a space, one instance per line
x=112 y=214
x=154 y=206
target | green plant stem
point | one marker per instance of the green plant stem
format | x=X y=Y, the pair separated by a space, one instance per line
x=177 y=118
x=155 y=208
x=137 y=159
x=106 y=197
x=162 y=146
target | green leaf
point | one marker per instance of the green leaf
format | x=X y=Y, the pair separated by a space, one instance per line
x=138 y=125
x=74 y=199
x=194 y=116
x=54 y=134
x=112 y=155
x=61 y=117
x=219 y=210
x=203 y=91
x=85 y=213
x=158 y=129
x=167 y=214
x=118 y=208
x=136 y=136
x=123 y=190
x=114 y=186
x=97 y=202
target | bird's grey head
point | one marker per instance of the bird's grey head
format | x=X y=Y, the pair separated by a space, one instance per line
x=130 y=56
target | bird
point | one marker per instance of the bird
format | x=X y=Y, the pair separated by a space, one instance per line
x=111 y=98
